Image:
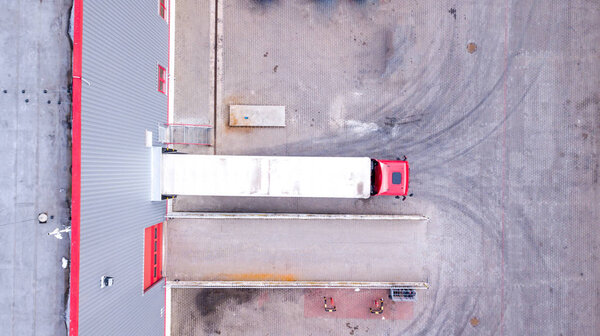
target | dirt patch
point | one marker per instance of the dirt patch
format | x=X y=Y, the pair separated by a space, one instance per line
x=213 y=303
x=353 y=329
x=360 y=188
x=233 y=100
x=209 y=300
x=233 y=120
x=471 y=47
x=452 y=12
x=592 y=100
x=474 y=321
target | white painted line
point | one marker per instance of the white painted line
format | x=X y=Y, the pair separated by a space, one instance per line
x=236 y=215
x=297 y=284
x=218 y=65
x=168 y=310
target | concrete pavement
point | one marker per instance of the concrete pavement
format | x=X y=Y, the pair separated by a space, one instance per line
x=502 y=140
x=35 y=178
x=296 y=249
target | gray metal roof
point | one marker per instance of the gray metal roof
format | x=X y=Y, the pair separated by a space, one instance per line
x=123 y=41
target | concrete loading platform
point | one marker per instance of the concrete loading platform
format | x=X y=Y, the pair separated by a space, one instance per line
x=253 y=274
x=296 y=250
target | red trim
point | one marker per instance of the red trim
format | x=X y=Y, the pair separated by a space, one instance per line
x=162 y=79
x=76 y=169
x=163 y=4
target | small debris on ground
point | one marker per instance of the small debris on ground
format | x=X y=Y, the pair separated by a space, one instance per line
x=471 y=47
x=452 y=12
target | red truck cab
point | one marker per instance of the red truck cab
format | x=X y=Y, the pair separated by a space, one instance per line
x=389 y=177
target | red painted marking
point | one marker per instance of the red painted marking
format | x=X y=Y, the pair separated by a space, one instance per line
x=504 y=151
x=76 y=169
x=355 y=305
x=162 y=79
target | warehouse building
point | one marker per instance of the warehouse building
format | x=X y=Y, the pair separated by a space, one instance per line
x=120 y=66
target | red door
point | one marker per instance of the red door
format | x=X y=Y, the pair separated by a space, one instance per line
x=152 y=255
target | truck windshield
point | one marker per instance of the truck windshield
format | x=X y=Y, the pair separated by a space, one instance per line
x=396 y=178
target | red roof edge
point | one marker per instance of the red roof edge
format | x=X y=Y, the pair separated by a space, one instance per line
x=76 y=168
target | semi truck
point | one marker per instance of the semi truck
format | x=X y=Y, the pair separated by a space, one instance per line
x=277 y=176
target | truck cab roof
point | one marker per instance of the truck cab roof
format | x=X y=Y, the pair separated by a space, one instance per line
x=391 y=178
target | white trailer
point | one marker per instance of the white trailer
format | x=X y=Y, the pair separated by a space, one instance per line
x=273 y=176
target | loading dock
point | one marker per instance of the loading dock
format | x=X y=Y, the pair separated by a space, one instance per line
x=331 y=250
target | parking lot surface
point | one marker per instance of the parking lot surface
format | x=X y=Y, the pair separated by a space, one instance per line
x=496 y=106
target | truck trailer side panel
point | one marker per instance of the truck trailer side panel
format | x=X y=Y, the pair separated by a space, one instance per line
x=274 y=176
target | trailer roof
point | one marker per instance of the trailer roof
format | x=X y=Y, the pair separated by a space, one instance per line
x=279 y=176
